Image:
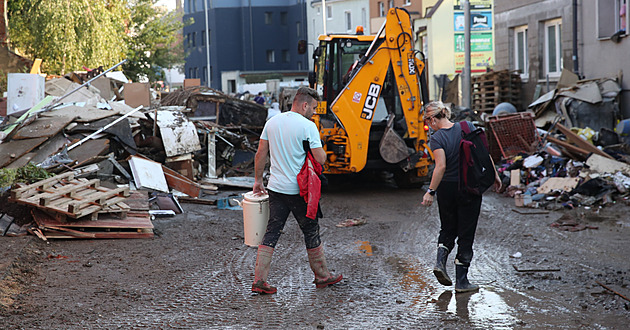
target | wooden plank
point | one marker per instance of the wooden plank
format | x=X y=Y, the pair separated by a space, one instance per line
x=103 y=235
x=137 y=221
x=22 y=161
x=581 y=142
x=191 y=200
x=182 y=184
x=43 y=127
x=82 y=114
x=88 y=151
x=567 y=146
x=12 y=150
x=564 y=184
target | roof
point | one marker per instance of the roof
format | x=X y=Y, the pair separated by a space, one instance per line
x=434 y=9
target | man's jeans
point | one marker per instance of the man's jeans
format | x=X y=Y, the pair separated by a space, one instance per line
x=280 y=205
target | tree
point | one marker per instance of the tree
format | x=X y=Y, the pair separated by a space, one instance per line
x=71 y=34
x=154 y=41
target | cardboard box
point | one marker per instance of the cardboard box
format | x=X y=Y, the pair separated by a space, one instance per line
x=137 y=94
x=192 y=82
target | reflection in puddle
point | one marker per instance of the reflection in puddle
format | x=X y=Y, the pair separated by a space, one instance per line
x=365 y=247
x=484 y=309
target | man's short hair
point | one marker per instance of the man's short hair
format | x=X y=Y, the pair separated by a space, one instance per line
x=305 y=94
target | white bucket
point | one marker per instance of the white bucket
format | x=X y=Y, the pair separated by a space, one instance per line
x=255 y=217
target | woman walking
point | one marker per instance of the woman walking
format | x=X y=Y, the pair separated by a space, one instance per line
x=458 y=216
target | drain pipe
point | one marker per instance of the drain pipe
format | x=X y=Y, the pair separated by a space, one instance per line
x=576 y=63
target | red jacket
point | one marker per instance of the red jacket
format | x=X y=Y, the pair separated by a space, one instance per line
x=310 y=184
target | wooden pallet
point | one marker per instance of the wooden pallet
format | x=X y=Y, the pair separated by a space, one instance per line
x=66 y=196
x=135 y=224
x=491 y=89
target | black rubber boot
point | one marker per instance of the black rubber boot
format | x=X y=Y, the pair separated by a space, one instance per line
x=440 y=266
x=461 y=280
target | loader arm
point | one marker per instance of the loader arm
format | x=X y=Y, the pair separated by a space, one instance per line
x=354 y=106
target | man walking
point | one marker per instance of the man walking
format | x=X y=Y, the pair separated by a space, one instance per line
x=282 y=139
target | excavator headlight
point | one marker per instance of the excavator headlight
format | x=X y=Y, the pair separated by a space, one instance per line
x=426 y=127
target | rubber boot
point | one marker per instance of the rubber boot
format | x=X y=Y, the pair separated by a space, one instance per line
x=440 y=266
x=317 y=260
x=461 y=280
x=263 y=263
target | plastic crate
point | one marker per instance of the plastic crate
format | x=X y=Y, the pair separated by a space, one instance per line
x=514 y=133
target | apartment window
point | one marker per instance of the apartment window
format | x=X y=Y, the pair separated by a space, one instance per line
x=363 y=17
x=268 y=18
x=203 y=38
x=391 y=4
x=196 y=72
x=209 y=37
x=283 y=18
x=407 y=3
x=286 y=56
x=329 y=12
x=299 y=65
x=612 y=18
x=194 y=37
x=298 y=27
x=521 y=58
x=319 y=11
x=190 y=73
x=381 y=9
x=271 y=56
x=553 y=47
x=204 y=75
x=188 y=40
x=348 y=16
x=231 y=86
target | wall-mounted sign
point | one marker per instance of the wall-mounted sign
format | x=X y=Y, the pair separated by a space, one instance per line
x=479 y=62
x=479 y=42
x=479 y=21
x=474 y=4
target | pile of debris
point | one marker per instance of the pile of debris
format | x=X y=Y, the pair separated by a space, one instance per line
x=563 y=153
x=110 y=147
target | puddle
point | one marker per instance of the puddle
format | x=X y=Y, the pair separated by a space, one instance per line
x=483 y=309
x=365 y=247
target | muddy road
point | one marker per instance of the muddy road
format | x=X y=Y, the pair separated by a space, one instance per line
x=197 y=273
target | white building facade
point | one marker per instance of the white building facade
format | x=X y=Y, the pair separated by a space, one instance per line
x=337 y=17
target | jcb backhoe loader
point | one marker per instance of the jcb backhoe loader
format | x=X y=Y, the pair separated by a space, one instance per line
x=371 y=116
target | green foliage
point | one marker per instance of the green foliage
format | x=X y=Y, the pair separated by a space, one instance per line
x=153 y=41
x=70 y=34
x=28 y=174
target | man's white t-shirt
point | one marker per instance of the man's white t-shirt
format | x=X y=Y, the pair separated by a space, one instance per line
x=285 y=133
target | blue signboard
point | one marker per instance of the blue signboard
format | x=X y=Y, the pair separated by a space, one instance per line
x=479 y=21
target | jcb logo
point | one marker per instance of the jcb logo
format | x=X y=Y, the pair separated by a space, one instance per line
x=412 y=66
x=370 y=101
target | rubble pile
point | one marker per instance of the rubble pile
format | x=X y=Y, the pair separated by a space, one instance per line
x=563 y=152
x=109 y=147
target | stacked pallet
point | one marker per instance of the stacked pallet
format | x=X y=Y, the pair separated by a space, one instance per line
x=496 y=87
x=65 y=206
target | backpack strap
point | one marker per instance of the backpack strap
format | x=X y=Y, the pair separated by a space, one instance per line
x=465 y=127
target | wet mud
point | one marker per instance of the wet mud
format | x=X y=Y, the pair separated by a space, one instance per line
x=197 y=273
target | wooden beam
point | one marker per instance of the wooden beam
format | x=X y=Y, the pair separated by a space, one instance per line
x=580 y=142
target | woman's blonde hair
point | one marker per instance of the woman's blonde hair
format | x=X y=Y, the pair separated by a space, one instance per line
x=437 y=109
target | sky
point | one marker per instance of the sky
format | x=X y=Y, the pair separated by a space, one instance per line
x=170 y=4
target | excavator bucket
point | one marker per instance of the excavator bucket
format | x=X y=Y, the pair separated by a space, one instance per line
x=392 y=147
